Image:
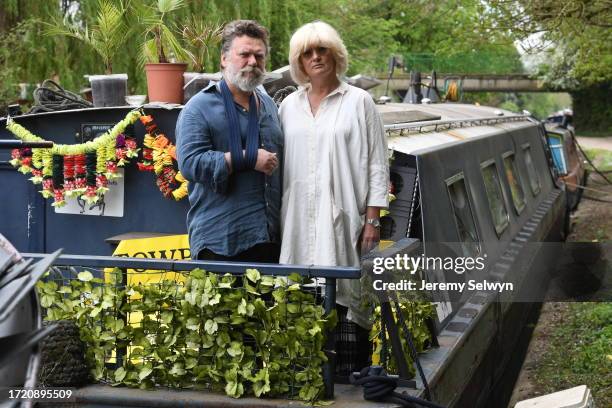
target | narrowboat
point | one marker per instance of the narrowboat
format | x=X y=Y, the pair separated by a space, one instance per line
x=476 y=176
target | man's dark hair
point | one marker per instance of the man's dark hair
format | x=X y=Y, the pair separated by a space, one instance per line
x=238 y=28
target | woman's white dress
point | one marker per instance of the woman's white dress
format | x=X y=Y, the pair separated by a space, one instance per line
x=335 y=165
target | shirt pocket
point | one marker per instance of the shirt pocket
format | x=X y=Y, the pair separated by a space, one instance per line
x=270 y=133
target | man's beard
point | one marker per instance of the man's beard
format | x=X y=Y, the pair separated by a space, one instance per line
x=245 y=83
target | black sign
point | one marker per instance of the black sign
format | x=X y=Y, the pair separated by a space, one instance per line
x=89 y=131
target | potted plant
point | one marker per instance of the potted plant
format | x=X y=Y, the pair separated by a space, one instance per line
x=160 y=47
x=198 y=38
x=106 y=37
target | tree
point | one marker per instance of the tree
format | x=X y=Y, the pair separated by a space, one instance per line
x=576 y=36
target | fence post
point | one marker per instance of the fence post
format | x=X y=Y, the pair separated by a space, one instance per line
x=329 y=368
x=121 y=351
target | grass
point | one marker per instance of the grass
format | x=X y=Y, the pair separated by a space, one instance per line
x=602 y=158
x=580 y=352
x=595 y=133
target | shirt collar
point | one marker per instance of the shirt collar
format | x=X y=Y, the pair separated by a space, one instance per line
x=341 y=89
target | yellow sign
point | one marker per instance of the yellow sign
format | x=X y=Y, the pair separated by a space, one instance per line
x=167 y=247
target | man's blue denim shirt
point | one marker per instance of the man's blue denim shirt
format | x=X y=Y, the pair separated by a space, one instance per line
x=229 y=213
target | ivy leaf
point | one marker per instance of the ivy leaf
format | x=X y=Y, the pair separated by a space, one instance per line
x=193 y=323
x=65 y=289
x=295 y=277
x=316 y=329
x=253 y=275
x=242 y=307
x=177 y=369
x=190 y=297
x=210 y=326
x=85 y=276
x=197 y=274
x=95 y=311
x=261 y=382
x=215 y=300
x=222 y=339
x=120 y=374
x=47 y=300
x=235 y=349
x=190 y=363
x=234 y=389
x=145 y=371
x=293 y=308
x=208 y=342
x=166 y=316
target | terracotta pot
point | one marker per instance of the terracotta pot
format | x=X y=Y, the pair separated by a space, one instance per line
x=165 y=82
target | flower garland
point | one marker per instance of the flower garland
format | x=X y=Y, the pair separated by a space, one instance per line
x=80 y=170
x=159 y=155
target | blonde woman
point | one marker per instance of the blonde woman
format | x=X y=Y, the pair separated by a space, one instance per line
x=336 y=174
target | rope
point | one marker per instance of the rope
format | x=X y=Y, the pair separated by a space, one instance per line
x=591 y=163
x=413 y=351
x=588 y=188
x=378 y=386
x=50 y=97
x=281 y=94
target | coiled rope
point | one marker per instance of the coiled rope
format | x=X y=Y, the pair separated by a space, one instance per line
x=378 y=386
x=50 y=97
x=281 y=94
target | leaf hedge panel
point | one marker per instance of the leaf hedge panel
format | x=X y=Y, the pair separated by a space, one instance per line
x=259 y=335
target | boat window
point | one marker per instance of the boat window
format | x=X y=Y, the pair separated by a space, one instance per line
x=514 y=180
x=534 y=180
x=555 y=141
x=464 y=218
x=494 y=194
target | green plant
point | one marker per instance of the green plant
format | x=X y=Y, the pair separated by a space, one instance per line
x=264 y=336
x=9 y=72
x=415 y=314
x=106 y=36
x=199 y=37
x=160 y=39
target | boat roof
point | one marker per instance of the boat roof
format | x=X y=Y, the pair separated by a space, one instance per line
x=416 y=128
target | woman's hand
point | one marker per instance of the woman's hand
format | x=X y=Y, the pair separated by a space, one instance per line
x=370 y=237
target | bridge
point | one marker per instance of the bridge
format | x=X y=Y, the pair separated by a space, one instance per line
x=471 y=82
x=486 y=71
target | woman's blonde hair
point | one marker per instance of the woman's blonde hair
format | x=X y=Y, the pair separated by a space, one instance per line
x=315 y=34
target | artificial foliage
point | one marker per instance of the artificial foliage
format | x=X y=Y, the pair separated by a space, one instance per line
x=79 y=170
x=258 y=335
x=415 y=315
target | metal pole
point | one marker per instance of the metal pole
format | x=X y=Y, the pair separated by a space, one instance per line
x=329 y=368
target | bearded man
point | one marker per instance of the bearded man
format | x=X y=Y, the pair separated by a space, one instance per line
x=229 y=147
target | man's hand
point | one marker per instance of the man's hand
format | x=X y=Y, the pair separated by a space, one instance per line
x=267 y=162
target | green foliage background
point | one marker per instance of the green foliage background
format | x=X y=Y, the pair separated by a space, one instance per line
x=371 y=30
x=460 y=36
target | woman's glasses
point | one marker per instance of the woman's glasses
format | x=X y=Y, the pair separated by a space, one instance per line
x=310 y=52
